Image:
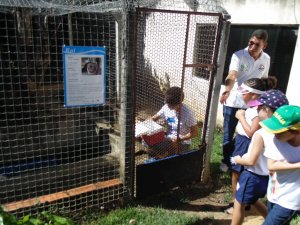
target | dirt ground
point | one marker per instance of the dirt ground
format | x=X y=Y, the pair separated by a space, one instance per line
x=213 y=205
x=206 y=201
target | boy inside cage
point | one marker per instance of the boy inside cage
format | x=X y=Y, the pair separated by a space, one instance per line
x=174 y=116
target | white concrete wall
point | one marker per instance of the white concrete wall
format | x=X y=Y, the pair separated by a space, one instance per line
x=163 y=50
x=263 y=11
x=293 y=88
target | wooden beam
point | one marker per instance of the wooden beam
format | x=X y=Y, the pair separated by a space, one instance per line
x=60 y=195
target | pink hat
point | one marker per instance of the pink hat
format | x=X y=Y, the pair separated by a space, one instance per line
x=253 y=103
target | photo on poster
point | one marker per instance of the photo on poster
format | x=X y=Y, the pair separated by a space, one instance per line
x=91 y=66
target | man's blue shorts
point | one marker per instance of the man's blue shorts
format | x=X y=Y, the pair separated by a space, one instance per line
x=251 y=187
x=241 y=144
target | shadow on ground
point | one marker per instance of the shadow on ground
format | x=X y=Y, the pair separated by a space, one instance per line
x=204 y=200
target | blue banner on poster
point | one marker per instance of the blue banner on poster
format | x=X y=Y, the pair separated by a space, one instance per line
x=84 y=75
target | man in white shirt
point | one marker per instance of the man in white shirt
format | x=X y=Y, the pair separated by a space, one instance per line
x=250 y=62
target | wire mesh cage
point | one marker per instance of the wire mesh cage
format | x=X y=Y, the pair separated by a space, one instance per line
x=176 y=55
x=51 y=153
x=81 y=157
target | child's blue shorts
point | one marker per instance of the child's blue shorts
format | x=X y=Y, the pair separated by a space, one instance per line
x=241 y=144
x=251 y=187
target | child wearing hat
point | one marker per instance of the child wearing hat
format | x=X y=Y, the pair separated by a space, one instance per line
x=248 y=122
x=253 y=181
x=282 y=150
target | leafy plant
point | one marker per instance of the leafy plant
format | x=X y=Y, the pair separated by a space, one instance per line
x=44 y=218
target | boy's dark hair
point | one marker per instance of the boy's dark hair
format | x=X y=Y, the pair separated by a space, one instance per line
x=174 y=96
x=260 y=34
x=262 y=84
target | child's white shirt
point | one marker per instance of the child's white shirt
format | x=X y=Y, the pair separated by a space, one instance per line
x=284 y=186
x=187 y=120
x=261 y=167
x=250 y=114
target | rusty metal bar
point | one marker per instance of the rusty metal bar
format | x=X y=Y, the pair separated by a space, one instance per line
x=60 y=195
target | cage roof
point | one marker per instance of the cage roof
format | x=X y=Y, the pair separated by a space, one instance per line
x=60 y=7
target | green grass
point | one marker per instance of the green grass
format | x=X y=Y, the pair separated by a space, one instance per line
x=136 y=215
x=216 y=154
x=145 y=216
x=216 y=157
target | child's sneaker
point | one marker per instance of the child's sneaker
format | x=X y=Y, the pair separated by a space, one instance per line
x=223 y=167
x=229 y=211
x=229 y=208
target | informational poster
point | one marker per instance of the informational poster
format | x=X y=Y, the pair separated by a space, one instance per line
x=84 y=75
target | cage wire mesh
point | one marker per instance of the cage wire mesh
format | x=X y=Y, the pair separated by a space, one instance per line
x=61 y=7
x=174 y=49
x=75 y=157
x=50 y=153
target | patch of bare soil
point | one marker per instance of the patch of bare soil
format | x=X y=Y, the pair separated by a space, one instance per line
x=206 y=201
x=213 y=205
